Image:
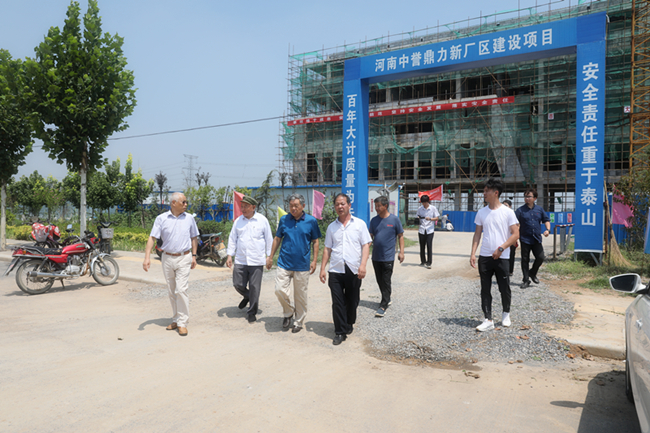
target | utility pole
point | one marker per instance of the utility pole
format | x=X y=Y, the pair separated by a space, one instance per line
x=188 y=171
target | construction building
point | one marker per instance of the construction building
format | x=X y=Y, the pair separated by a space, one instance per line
x=514 y=121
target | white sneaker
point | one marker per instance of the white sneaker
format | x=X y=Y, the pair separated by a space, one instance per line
x=487 y=325
x=505 y=320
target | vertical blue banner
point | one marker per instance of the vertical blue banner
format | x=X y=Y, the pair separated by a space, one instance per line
x=355 y=140
x=590 y=146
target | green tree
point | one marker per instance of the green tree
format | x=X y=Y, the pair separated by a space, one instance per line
x=71 y=188
x=115 y=180
x=28 y=192
x=265 y=198
x=136 y=192
x=161 y=183
x=200 y=198
x=99 y=192
x=51 y=195
x=83 y=93
x=15 y=129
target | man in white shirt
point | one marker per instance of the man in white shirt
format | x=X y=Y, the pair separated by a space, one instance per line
x=500 y=229
x=179 y=233
x=347 y=242
x=250 y=242
x=428 y=215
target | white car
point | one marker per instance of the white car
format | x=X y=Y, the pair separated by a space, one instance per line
x=637 y=345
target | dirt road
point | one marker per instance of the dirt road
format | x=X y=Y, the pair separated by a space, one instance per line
x=92 y=358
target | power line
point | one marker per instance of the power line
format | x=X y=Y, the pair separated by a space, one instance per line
x=198 y=128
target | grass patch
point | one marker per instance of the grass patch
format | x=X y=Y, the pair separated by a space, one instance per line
x=596 y=277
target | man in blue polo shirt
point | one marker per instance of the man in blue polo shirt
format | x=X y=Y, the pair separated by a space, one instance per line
x=530 y=217
x=385 y=229
x=297 y=231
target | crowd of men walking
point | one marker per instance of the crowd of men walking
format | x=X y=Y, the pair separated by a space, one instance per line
x=252 y=246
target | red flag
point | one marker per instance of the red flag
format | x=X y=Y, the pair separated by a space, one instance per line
x=434 y=194
x=319 y=204
x=236 y=204
x=621 y=212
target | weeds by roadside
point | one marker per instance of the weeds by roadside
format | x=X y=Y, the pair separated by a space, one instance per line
x=596 y=277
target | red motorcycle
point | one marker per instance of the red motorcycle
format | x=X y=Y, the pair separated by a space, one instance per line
x=38 y=267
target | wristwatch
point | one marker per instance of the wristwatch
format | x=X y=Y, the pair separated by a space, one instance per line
x=500 y=249
x=193 y=255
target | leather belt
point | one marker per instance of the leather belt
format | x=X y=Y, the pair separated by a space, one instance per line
x=179 y=254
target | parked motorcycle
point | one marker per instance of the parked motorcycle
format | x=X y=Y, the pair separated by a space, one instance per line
x=210 y=247
x=45 y=235
x=38 y=267
x=105 y=236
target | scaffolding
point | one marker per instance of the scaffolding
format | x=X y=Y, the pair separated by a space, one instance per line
x=640 y=109
x=527 y=142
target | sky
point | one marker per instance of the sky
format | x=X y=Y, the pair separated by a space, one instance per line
x=203 y=62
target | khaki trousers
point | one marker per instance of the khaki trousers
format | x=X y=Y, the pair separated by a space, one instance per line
x=177 y=274
x=285 y=292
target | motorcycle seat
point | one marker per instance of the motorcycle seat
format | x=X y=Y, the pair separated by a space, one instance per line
x=208 y=236
x=43 y=251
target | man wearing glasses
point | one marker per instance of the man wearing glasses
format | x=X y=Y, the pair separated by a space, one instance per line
x=530 y=217
x=179 y=233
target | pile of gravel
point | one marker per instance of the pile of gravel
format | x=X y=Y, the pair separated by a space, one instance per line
x=436 y=321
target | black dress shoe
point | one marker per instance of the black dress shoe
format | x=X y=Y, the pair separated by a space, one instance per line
x=296 y=329
x=286 y=322
x=339 y=339
x=535 y=280
x=251 y=318
x=351 y=330
x=243 y=303
x=525 y=285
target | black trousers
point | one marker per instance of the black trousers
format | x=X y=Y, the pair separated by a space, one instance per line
x=538 y=252
x=513 y=251
x=345 y=299
x=383 y=273
x=426 y=241
x=487 y=267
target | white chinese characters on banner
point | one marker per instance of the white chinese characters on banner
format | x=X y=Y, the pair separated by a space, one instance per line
x=512 y=44
x=590 y=168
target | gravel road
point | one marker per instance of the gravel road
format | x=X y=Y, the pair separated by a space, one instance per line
x=433 y=320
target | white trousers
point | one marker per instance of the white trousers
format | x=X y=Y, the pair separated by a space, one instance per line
x=285 y=292
x=177 y=273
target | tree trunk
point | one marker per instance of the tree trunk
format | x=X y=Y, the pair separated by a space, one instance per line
x=82 y=201
x=3 y=218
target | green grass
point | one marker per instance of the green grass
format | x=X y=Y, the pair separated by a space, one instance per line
x=596 y=278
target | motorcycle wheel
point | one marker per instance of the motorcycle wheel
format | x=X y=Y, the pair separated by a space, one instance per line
x=34 y=285
x=105 y=270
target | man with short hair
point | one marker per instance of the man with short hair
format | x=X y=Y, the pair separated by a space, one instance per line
x=513 y=248
x=179 y=233
x=297 y=231
x=385 y=229
x=251 y=239
x=347 y=242
x=530 y=217
x=428 y=215
x=498 y=225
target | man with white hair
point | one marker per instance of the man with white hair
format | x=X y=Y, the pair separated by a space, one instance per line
x=297 y=232
x=179 y=233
